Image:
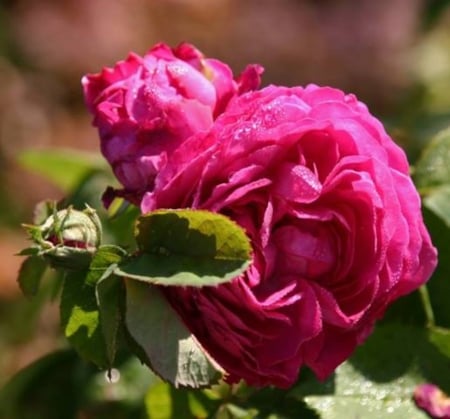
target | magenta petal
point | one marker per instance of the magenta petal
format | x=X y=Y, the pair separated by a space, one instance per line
x=297 y=183
x=327 y=351
x=432 y=400
x=153 y=104
x=250 y=78
x=334 y=221
x=319 y=187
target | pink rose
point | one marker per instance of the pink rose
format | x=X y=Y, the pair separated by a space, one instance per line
x=334 y=220
x=145 y=107
x=432 y=400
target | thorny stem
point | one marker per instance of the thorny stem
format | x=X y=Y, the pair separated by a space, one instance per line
x=426 y=303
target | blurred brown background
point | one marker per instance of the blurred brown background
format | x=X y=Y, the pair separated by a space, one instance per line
x=394 y=54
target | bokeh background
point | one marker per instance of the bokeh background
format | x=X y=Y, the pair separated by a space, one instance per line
x=393 y=54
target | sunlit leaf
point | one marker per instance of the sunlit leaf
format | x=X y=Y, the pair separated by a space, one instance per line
x=81 y=320
x=438 y=201
x=108 y=291
x=186 y=247
x=63 y=167
x=379 y=380
x=105 y=256
x=158 y=402
x=192 y=232
x=361 y=398
x=163 y=401
x=433 y=168
x=164 y=342
x=232 y=411
x=117 y=207
x=179 y=270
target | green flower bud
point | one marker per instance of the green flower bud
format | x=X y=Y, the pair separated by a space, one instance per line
x=68 y=238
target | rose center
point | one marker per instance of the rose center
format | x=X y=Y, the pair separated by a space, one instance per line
x=308 y=251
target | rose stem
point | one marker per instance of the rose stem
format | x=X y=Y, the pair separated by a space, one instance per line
x=425 y=297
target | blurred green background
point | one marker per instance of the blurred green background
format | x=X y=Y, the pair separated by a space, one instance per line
x=393 y=54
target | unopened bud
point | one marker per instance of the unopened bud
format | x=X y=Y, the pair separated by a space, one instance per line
x=68 y=238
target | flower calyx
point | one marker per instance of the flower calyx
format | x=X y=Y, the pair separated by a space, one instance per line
x=66 y=239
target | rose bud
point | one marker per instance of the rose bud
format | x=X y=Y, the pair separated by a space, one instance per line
x=68 y=238
x=145 y=107
x=432 y=400
x=334 y=220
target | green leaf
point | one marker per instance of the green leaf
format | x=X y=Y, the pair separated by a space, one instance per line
x=179 y=270
x=30 y=274
x=357 y=398
x=164 y=342
x=433 y=168
x=65 y=168
x=232 y=411
x=29 y=251
x=432 y=12
x=105 y=257
x=275 y=403
x=81 y=320
x=90 y=311
x=189 y=248
x=379 y=380
x=192 y=232
x=438 y=201
x=439 y=284
x=440 y=337
x=117 y=207
x=108 y=293
x=44 y=389
x=163 y=401
x=62 y=386
x=158 y=403
x=119 y=228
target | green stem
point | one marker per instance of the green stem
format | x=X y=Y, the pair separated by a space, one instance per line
x=426 y=302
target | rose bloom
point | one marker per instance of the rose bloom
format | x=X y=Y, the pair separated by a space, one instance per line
x=432 y=400
x=145 y=107
x=334 y=220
